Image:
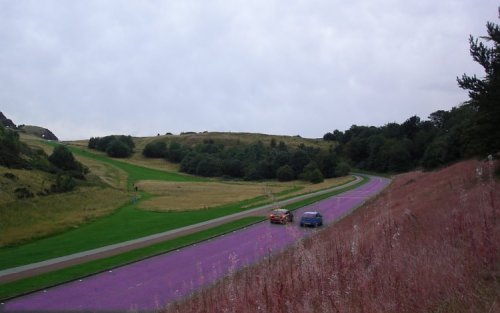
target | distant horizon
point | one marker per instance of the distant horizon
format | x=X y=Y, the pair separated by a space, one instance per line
x=212 y=131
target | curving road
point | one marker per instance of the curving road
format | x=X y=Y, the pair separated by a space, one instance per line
x=154 y=282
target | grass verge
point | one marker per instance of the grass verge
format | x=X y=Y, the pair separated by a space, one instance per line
x=302 y=203
x=27 y=285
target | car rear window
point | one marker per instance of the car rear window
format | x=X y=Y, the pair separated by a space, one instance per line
x=309 y=215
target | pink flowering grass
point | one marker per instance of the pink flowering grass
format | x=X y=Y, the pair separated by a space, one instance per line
x=429 y=243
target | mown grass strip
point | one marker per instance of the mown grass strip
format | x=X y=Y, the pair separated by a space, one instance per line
x=302 y=203
x=46 y=280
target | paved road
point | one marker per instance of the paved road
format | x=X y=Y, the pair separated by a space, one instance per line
x=152 y=283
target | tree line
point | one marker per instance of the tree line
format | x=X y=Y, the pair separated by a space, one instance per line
x=115 y=146
x=251 y=162
x=471 y=129
x=400 y=147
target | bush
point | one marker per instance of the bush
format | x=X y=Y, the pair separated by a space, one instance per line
x=176 y=152
x=312 y=173
x=285 y=173
x=10 y=149
x=209 y=167
x=118 y=149
x=156 y=149
x=436 y=154
x=23 y=193
x=10 y=176
x=233 y=168
x=342 y=169
x=109 y=143
x=63 y=183
x=64 y=160
x=316 y=176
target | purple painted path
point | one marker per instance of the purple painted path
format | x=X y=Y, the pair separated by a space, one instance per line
x=152 y=283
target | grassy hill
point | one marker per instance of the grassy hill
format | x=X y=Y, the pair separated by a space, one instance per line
x=108 y=187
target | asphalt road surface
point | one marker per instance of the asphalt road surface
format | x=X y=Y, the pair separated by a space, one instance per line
x=152 y=283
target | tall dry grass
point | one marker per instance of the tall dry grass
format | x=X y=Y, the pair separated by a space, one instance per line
x=429 y=243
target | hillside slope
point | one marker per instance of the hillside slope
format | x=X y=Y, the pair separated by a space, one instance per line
x=429 y=243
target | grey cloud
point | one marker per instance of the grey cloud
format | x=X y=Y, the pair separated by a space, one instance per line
x=89 y=68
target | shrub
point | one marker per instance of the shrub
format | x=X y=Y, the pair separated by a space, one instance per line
x=23 y=193
x=312 y=173
x=64 y=160
x=285 y=173
x=10 y=176
x=63 y=183
x=118 y=149
x=209 y=167
x=156 y=149
x=342 y=169
x=109 y=143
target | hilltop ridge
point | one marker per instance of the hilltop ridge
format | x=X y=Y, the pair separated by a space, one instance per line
x=37 y=131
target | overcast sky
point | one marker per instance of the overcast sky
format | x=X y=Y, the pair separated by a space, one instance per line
x=284 y=67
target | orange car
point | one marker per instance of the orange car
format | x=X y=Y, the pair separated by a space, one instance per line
x=281 y=216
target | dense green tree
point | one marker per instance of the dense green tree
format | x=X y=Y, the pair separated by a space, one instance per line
x=312 y=173
x=63 y=183
x=155 y=149
x=10 y=148
x=233 y=168
x=299 y=160
x=410 y=127
x=209 y=166
x=342 y=169
x=62 y=158
x=176 y=152
x=285 y=173
x=119 y=146
x=485 y=93
x=190 y=162
x=118 y=149
x=436 y=153
x=396 y=157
